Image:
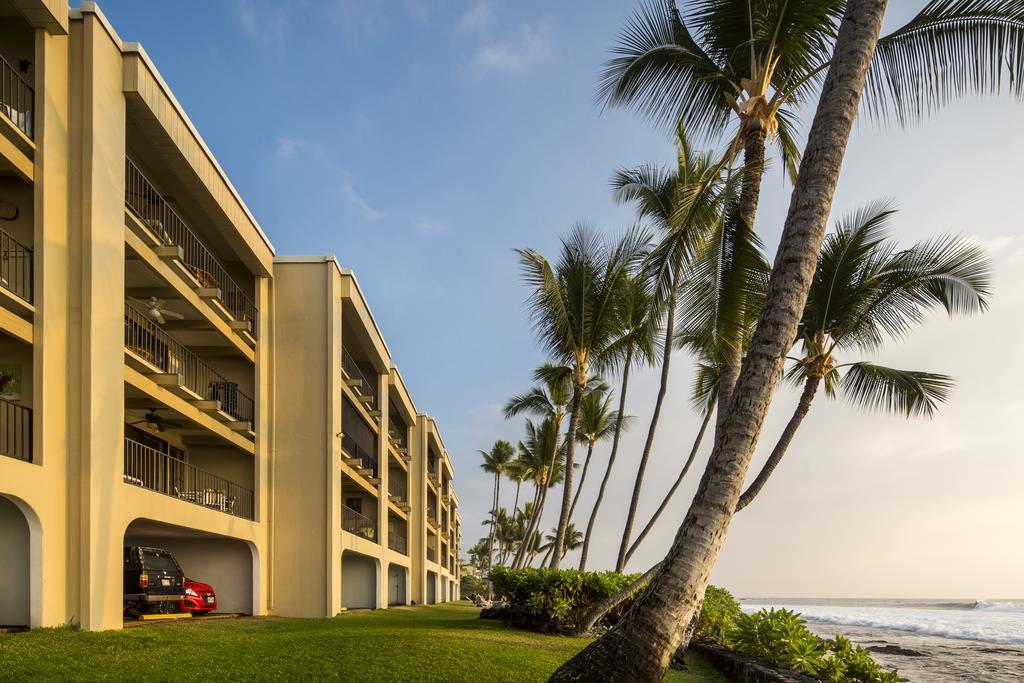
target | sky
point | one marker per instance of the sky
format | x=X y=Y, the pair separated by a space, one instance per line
x=422 y=141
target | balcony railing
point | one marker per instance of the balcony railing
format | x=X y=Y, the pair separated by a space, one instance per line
x=358 y=524
x=398 y=435
x=154 y=470
x=397 y=486
x=352 y=369
x=156 y=214
x=397 y=542
x=431 y=554
x=145 y=339
x=17 y=99
x=15 y=267
x=15 y=431
x=365 y=458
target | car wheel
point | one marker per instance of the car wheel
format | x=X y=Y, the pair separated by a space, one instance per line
x=167 y=607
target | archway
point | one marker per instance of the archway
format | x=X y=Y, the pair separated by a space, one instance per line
x=358 y=581
x=431 y=588
x=229 y=565
x=20 y=603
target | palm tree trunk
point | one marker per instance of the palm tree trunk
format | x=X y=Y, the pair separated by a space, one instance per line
x=608 y=604
x=611 y=457
x=670 y=319
x=583 y=478
x=494 y=522
x=641 y=645
x=679 y=480
x=531 y=529
x=570 y=449
x=802 y=407
x=515 y=505
x=547 y=554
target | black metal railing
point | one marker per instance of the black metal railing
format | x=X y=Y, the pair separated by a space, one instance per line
x=432 y=514
x=431 y=554
x=145 y=339
x=365 y=457
x=15 y=431
x=17 y=99
x=397 y=542
x=157 y=471
x=154 y=212
x=15 y=267
x=358 y=524
x=398 y=435
x=352 y=369
x=397 y=485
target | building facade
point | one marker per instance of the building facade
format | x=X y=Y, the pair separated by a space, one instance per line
x=166 y=380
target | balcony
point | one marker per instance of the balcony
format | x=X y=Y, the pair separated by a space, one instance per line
x=365 y=390
x=146 y=340
x=15 y=267
x=358 y=524
x=364 y=461
x=151 y=469
x=431 y=554
x=17 y=99
x=15 y=431
x=170 y=230
x=397 y=542
x=397 y=488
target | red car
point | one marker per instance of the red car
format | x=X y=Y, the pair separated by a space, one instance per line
x=199 y=598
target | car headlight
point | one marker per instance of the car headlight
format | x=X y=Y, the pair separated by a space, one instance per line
x=189 y=591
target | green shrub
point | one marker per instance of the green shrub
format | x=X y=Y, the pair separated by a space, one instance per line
x=717 y=615
x=782 y=637
x=472 y=585
x=555 y=599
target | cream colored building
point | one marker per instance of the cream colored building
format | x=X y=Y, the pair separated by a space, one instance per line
x=166 y=380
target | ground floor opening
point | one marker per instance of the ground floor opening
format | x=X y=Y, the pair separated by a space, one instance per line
x=15 y=565
x=358 y=580
x=398 y=584
x=228 y=565
x=431 y=588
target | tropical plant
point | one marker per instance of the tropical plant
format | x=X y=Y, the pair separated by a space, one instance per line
x=683 y=204
x=865 y=290
x=572 y=305
x=573 y=540
x=597 y=423
x=637 y=320
x=718 y=614
x=494 y=462
x=542 y=453
x=674 y=593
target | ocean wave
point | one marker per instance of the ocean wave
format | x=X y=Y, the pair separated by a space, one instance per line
x=992 y=622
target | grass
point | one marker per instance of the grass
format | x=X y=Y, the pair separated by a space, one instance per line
x=433 y=643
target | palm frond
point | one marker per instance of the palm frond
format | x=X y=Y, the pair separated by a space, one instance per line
x=952 y=48
x=905 y=392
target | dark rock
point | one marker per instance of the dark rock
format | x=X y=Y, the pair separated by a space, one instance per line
x=744 y=669
x=896 y=650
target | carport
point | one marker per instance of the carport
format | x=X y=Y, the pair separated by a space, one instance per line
x=227 y=564
x=358 y=580
x=17 y=536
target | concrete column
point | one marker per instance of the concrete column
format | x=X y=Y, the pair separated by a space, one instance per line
x=382 y=499
x=97 y=315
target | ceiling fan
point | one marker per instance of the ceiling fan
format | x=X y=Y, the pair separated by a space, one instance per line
x=154 y=421
x=156 y=309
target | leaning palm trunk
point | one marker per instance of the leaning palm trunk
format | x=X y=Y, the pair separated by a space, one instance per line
x=802 y=407
x=517 y=559
x=611 y=458
x=670 y=317
x=679 y=480
x=640 y=646
x=570 y=449
x=608 y=604
x=583 y=478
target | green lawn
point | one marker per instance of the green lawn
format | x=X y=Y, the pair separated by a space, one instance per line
x=435 y=643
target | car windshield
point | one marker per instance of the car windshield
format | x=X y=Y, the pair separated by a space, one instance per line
x=162 y=562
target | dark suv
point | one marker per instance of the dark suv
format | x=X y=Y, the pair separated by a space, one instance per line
x=153 y=581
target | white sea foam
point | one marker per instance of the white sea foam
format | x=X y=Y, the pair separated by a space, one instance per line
x=989 y=621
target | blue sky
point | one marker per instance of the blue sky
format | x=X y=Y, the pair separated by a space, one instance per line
x=447 y=133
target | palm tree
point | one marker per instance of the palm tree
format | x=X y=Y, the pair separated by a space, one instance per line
x=683 y=204
x=597 y=423
x=865 y=290
x=572 y=309
x=495 y=462
x=653 y=628
x=722 y=292
x=573 y=540
x=543 y=456
x=638 y=321
x=516 y=471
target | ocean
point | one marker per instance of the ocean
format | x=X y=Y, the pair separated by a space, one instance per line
x=927 y=640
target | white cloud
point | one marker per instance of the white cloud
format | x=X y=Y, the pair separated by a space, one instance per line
x=263 y=21
x=528 y=46
x=428 y=227
x=348 y=191
x=478 y=17
x=288 y=147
